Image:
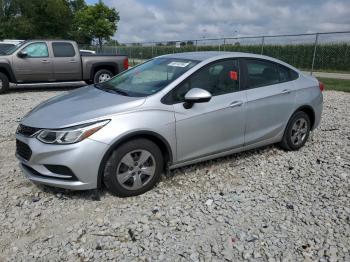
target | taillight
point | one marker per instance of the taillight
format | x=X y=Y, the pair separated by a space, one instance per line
x=321 y=86
x=126 y=63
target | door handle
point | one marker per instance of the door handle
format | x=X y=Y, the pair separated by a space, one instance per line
x=45 y=61
x=72 y=61
x=286 y=91
x=236 y=103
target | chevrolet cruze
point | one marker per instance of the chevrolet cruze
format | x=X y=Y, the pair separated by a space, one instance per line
x=168 y=112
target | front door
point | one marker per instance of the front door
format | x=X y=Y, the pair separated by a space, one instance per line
x=35 y=66
x=214 y=126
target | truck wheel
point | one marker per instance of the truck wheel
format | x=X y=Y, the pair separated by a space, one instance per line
x=4 y=83
x=102 y=76
x=133 y=168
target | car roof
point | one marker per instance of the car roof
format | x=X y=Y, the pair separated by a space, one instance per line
x=212 y=55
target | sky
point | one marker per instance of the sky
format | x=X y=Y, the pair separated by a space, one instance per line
x=157 y=20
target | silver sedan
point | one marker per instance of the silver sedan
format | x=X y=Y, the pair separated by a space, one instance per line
x=168 y=112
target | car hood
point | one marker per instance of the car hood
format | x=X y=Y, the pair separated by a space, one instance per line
x=79 y=106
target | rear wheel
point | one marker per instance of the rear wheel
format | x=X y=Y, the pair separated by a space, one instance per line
x=102 y=76
x=133 y=168
x=4 y=83
x=297 y=131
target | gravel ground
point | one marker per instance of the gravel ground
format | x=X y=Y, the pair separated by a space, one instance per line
x=265 y=204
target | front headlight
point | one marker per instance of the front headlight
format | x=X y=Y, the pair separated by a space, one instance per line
x=70 y=135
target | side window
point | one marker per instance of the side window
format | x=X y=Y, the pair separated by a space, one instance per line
x=293 y=75
x=217 y=78
x=5 y=47
x=36 y=50
x=61 y=49
x=287 y=74
x=261 y=73
x=283 y=73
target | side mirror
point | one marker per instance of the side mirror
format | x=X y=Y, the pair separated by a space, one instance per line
x=196 y=95
x=22 y=54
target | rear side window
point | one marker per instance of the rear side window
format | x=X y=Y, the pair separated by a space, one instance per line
x=263 y=73
x=293 y=75
x=283 y=73
x=286 y=74
x=61 y=49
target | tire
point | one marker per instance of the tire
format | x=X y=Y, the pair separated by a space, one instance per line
x=135 y=176
x=102 y=75
x=4 y=83
x=297 y=132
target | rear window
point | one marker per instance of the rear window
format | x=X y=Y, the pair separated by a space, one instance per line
x=61 y=49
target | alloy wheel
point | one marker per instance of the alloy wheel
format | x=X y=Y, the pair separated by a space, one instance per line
x=299 y=131
x=136 y=169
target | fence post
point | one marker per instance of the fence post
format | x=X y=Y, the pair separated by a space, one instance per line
x=262 y=44
x=152 y=50
x=314 y=56
x=196 y=45
x=224 y=44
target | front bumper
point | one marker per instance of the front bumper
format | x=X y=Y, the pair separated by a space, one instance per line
x=82 y=159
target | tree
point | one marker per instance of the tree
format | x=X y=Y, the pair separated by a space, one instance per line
x=96 y=22
x=50 y=18
x=37 y=18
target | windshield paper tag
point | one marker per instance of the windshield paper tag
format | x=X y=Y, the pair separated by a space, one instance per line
x=179 y=64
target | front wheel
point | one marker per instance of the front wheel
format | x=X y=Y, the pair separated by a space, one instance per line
x=133 y=168
x=297 y=132
x=4 y=83
x=102 y=76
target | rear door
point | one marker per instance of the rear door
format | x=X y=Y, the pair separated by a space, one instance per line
x=66 y=62
x=36 y=66
x=214 y=126
x=270 y=99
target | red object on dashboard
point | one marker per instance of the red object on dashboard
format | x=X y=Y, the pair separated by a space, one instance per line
x=234 y=75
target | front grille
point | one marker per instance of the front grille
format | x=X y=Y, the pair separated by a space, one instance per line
x=27 y=130
x=23 y=150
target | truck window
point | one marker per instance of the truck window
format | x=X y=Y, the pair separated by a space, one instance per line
x=61 y=49
x=36 y=50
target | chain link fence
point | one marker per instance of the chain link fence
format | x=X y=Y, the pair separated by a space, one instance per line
x=324 y=52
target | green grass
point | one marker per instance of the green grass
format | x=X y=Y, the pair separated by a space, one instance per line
x=336 y=84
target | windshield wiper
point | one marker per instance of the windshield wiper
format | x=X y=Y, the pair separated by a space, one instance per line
x=111 y=90
x=119 y=91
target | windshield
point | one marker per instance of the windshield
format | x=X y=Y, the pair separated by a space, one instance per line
x=148 y=78
x=14 y=48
